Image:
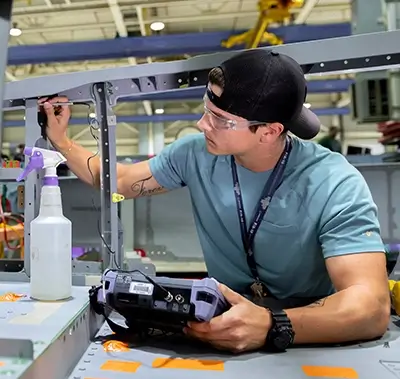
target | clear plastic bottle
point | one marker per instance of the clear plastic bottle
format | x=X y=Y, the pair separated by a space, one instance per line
x=51 y=246
x=51 y=232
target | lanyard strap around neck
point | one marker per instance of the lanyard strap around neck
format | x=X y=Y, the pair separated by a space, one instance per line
x=274 y=181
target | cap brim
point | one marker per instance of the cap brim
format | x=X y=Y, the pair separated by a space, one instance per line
x=306 y=126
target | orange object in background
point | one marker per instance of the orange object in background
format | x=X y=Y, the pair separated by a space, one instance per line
x=11 y=297
x=115 y=346
x=11 y=164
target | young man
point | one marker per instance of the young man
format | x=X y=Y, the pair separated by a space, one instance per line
x=276 y=216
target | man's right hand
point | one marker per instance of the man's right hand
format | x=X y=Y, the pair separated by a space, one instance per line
x=57 y=120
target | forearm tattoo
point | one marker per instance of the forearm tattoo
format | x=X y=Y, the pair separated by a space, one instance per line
x=318 y=303
x=139 y=188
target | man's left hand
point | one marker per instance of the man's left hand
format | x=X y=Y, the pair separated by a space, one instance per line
x=242 y=328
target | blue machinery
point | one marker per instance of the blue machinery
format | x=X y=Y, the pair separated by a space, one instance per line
x=39 y=340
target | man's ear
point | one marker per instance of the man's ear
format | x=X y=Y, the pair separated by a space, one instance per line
x=270 y=132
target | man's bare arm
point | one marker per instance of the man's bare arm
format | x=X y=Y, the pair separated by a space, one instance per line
x=136 y=180
x=359 y=310
x=133 y=180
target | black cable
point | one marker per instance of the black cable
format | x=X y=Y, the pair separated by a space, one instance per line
x=94 y=126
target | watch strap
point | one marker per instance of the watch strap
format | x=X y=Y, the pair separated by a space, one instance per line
x=279 y=317
x=281 y=324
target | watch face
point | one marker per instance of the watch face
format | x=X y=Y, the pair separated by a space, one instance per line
x=283 y=338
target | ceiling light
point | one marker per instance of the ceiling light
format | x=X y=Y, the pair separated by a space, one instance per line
x=307 y=105
x=159 y=111
x=15 y=32
x=157 y=26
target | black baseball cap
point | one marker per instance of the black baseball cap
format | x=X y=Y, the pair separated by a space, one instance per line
x=266 y=86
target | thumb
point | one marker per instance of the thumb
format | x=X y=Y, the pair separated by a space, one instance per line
x=49 y=110
x=231 y=296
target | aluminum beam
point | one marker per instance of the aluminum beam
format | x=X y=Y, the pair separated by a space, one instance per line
x=197 y=93
x=162 y=45
x=5 y=17
x=349 y=54
x=314 y=86
x=140 y=119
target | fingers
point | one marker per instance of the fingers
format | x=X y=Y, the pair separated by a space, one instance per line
x=58 y=99
x=53 y=112
x=231 y=296
x=50 y=112
x=221 y=340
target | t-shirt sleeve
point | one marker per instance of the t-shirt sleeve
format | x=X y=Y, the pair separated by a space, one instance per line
x=170 y=167
x=349 y=221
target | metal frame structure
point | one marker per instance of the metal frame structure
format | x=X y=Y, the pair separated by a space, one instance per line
x=104 y=87
x=5 y=23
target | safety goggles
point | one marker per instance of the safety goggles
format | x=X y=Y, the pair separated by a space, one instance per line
x=221 y=123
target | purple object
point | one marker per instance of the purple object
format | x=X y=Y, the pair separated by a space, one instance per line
x=28 y=151
x=205 y=297
x=203 y=289
x=50 y=181
x=77 y=252
x=36 y=161
x=394 y=247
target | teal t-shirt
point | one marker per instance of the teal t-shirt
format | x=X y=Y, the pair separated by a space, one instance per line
x=322 y=209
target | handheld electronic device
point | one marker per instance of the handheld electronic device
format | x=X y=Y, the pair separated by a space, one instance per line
x=161 y=303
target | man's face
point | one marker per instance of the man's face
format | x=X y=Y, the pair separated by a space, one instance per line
x=225 y=133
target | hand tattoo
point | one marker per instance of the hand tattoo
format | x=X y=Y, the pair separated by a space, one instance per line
x=139 y=188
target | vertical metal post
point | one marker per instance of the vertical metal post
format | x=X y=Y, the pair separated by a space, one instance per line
x=110 y=249
x=5 y=18
x=143 y=148
x=32 y=182
x=158 y=137
x=393 y=23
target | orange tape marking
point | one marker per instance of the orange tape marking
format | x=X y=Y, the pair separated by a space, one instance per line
x=115 y=346
x=189 y=364
x=121 y=366
x=11 y=297
x=330 y=372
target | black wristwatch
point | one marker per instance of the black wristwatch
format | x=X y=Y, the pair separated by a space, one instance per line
x=281 y=334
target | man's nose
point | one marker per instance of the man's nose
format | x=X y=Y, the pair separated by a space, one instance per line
x=203 y=124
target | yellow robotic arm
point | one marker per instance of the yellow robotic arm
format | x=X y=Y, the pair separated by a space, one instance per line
x=271 y=12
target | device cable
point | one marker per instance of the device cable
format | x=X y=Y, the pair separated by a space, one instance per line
x=94 y=127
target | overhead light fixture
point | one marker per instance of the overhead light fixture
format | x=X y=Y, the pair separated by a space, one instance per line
x=15 y=31
x=159 y=111
x=157 y=26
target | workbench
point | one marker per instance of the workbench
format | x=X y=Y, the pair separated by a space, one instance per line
x=62 y=341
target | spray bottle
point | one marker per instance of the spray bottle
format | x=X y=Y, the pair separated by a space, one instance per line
x=51 y=232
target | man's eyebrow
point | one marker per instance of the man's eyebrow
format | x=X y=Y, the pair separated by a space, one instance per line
x=218 y=114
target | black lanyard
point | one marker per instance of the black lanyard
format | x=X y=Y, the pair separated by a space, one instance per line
x=274 y=181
